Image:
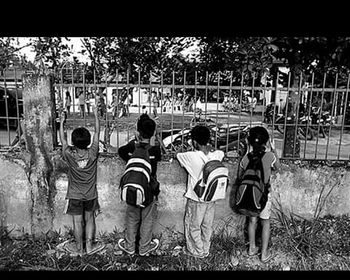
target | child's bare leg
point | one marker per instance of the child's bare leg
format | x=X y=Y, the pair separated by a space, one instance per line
x=265 y=237
x=78 y=226
x=251 y=234
x=90 y=229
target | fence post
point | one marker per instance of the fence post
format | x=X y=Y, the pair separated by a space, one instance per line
x=39 y=121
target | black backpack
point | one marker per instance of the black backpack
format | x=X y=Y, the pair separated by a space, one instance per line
x=138 y=187
x=252 y=193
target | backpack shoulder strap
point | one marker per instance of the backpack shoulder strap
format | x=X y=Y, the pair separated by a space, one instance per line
x=256 y=159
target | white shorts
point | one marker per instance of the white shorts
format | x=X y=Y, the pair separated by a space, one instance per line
x=266 y=212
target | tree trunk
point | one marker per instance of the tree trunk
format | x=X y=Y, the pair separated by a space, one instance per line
x=39 y=117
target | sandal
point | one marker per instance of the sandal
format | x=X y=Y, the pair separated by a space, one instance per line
x=254 y=253
x=269 y=257
x=96 y=248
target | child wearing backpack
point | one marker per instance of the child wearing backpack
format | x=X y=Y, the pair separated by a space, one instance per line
x=141 y=169
x=82 y=195
x=199 y=214
x=253 y=194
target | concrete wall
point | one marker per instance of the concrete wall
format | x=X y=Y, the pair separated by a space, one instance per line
x=297 y=188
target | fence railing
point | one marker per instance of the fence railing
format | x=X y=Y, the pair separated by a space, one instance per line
x=315 y=122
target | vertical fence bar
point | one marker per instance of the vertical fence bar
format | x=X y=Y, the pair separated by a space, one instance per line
x=139 y=91
x=116 y=105
x=274 y=105
x=320 y=112
x=85 y=98
x=240 y=115
x=74 y=94
x=17 y=105
x=297 y=116
x=228 y=114
x=95 y=86
x=150 y=93
x=263 y=106
x=161 y=105
x=344 y=114
x=161 y=94
x=251 y=109
x=6 y=97
x=127 y=94
x=206 y=97
x=195 y=97
x=332 y=113
x=62 y=90
x=285 y=113
x=217 y=112
x=309 y=111
x=96 y=91
x=172 y=111
x=183 y=110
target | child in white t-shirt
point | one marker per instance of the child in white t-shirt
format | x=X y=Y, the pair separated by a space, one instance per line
x=199 y=216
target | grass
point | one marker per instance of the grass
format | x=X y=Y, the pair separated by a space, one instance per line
x=299 y=244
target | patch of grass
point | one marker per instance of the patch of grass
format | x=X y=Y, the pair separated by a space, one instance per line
x=321 y=244
x=314 y=241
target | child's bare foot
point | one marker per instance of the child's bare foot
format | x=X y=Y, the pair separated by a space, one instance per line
x=73 y=249
x=253 y=251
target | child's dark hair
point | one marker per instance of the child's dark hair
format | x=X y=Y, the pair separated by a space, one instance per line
x=258 y=137
x=145 y=126
x=201 y=134
x=81 y=137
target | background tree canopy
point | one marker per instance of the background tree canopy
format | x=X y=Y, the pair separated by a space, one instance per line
x=252 y=56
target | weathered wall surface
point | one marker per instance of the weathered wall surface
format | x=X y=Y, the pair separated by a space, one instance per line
x=297 y=188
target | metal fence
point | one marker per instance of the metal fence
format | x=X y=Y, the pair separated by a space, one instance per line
x=318 y=121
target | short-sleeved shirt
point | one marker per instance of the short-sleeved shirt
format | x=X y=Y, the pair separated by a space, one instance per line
x=193 y=162
x=155 y=155
x=82 y=174
x=269 y=162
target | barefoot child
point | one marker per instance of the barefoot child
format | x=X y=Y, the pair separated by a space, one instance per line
x=258 y=139
x=82 y=192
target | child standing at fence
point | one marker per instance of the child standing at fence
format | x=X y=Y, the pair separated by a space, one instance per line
x=258 y=139
x=140 y=221
x=82 y=197
x=199 y=216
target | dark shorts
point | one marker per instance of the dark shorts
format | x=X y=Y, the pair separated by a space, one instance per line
x=78 y=207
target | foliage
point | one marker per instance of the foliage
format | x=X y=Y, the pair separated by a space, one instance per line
x=9 y=53
x=250 y=56
x=156 y=55
x=315 y=55
x=52 y=50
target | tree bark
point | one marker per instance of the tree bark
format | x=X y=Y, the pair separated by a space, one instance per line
x=39 y=117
